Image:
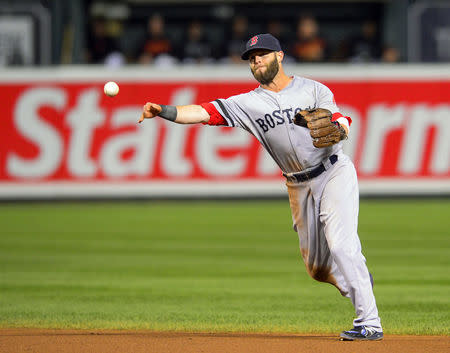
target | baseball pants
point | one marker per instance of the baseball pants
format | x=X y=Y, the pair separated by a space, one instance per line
x=325 y=216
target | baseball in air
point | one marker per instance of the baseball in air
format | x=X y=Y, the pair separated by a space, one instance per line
x=111 y=88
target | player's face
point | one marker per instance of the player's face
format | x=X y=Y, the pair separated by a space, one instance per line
x=264 y=65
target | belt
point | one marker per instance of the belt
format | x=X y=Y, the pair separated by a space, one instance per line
x=304 y=176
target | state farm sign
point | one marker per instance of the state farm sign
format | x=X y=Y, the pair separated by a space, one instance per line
x=60 y=135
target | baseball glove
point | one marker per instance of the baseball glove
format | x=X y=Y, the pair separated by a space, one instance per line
x=323 y=131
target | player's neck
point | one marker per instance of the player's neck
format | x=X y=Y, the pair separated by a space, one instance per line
x=280 y=81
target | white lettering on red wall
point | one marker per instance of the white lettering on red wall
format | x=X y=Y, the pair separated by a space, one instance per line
x=72 y=132
x=37 y=131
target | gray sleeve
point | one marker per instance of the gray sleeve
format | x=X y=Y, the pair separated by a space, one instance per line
x=232 y=109
x=325 y=98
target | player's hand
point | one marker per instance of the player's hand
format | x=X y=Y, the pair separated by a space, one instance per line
x=150 y=110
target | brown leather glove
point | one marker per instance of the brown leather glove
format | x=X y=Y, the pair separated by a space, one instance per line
x=323 y=131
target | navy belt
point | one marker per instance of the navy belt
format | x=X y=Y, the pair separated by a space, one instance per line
x=305 y=176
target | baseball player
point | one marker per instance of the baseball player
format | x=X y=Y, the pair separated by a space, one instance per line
x=298 y=123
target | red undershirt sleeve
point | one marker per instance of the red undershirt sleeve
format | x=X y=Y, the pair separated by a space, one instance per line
x=214 y=116
x=336 y=116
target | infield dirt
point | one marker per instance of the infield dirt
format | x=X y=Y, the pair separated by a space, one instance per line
x=65 y=341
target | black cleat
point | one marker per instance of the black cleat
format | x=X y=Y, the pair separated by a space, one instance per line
x=362 y=333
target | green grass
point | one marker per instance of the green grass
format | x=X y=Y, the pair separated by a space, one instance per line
x=212 y=266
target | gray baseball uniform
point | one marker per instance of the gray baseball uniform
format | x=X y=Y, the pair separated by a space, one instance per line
x=325 y=207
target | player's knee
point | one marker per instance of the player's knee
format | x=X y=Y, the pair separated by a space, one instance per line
x=320 y=273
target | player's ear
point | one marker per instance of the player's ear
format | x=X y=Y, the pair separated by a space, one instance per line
x=280 y=56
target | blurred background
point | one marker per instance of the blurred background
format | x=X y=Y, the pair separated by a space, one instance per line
x=152 y=32
x=387 y=62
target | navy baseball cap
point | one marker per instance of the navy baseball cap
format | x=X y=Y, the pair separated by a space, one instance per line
x=261 y=41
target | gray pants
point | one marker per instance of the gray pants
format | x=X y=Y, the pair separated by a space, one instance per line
x=325 y=215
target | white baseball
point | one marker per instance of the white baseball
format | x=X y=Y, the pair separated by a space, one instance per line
x=111 y=88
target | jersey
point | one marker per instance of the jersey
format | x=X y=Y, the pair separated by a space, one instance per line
x=269 y=117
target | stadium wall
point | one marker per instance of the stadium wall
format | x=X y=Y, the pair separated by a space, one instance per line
x=63 y=138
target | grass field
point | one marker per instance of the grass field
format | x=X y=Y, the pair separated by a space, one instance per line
x=213 y=266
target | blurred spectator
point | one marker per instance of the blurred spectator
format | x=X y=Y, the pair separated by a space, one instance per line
x=156 y=42
x=115 y=59
x=366 y=46
x=390 y=54
x=237 y=39
x=308 y=45
x=275 y=28
x=196 y=48
x=101 y=47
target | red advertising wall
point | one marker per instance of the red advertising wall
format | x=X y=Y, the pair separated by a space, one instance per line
x=63 y=137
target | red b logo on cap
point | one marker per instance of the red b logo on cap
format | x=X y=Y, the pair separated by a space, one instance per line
x=254 y=40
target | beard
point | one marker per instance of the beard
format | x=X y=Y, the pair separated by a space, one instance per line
x=268 y=75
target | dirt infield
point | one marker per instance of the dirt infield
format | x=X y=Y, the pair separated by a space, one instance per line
x=64 y=341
